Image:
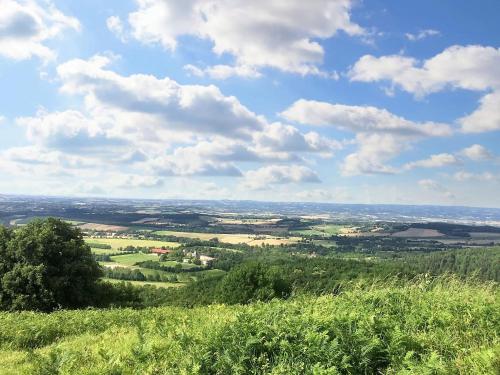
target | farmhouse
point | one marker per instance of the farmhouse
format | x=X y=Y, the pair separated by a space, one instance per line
x=205 y=259
x=160 y=251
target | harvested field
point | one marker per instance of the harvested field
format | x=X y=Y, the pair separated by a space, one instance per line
x=233 y=238
x=418 y=233
x=102 y=227
x=116 y=243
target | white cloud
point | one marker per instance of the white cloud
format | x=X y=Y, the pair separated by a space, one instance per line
x=223 y=71
x=142 y=125
x=477 y=153
x=184 y=163
x=279 y=137
x=468 y=176
x=486 y=117
x=138 y=181
x=278 y=34
x=70 y=131
x=322 y=195
x=473 y=67
x=380 y=135
x=26 y=25
x=359 y=119
x=373 y=154
x=434 y=186
x=434 y=161
x=115 y=25
x=422 y=34
x=267 y=176
x=465 y=67
x=429 y=184
x=160 y=102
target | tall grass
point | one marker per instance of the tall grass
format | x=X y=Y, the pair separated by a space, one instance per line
x=427 y=326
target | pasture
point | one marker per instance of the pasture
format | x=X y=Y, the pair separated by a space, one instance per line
x=102 y=251
x=325 y=230
x=131 y=259
x=159 y=284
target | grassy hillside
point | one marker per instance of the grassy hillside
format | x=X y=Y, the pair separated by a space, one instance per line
x=438 y=326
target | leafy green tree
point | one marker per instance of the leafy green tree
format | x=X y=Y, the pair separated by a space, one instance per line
x=253 y=282
x=46 y=265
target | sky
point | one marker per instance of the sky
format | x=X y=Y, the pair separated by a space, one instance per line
x=346 y=101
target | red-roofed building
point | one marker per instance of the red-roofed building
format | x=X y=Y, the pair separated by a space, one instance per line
x=159 y=251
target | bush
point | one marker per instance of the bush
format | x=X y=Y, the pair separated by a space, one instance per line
x=252 y=282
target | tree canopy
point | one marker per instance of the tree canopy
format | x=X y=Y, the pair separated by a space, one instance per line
x=46 y=265
x=253 y=281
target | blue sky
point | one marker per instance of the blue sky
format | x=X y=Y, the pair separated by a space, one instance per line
x=325 y=100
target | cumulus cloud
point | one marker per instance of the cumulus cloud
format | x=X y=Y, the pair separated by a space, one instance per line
x=286 y=138
x=359 y=119
x=322 y=195
x=159 y=127
x=258 y=33
x=70 y=131
x=380 y=135
x=422 y=34
x=115 y=25
x=267 y=176
x=473 y=67
x=25 y=26
x=138 y=181
x=161 y=102
x=477 y=153
x=143 y=125
x=486 y=117
x=465 y=67
x=434 y=186
x=223 y=71
x=468 y=176
x=434 y=161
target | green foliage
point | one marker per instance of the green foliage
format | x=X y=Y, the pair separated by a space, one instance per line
x=252 y=282
x=482 y=263
x=427 y=326
x=97 y=245
x=46 y=265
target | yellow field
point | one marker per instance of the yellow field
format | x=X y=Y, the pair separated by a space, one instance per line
x=116 y=243
x=233 y=238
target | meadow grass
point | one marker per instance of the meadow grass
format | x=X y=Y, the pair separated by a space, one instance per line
x=427 y=326
x=160 y=284
x=132 y=259
x=102 y=251
x=326 y=230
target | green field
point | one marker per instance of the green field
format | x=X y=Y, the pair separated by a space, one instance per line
x=172 y=263
x=326 y=230
x=116 y=243
x=131 y=259
x=422 y=327
x=102 y=251
x=159 y=284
